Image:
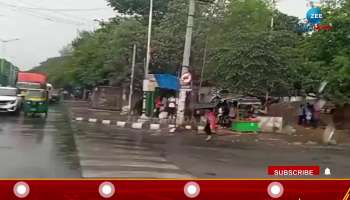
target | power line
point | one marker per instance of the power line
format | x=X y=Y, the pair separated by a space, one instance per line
x=62 y=15
x=50 y=17
x=54 y=9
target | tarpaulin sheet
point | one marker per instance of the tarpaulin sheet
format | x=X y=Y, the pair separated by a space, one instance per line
x=168 y=81
x=32 y=77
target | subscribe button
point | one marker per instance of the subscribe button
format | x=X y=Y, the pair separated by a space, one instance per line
x=293 y=170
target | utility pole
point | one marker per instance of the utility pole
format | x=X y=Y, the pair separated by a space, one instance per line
x=203 y=65
x=132 y=77
x=148 y=58
x=273 y=13
x=185 y=64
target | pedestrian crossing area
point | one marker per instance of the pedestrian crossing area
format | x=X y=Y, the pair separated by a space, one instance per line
x=122 y=154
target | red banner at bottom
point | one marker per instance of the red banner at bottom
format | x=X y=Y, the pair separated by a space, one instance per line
x=175 y=189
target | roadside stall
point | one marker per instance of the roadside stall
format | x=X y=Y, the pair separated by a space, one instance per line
x=200 y=109
x=161 y=90
x=247 y=113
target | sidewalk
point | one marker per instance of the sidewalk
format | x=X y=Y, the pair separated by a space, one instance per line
x=80 y=111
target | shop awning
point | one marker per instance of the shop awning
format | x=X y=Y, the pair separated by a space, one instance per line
x=167 y=81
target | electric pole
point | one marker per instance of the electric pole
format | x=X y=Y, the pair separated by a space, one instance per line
x=185 y=64
x=132 y=77
x=203 y=65
x=148 y=58
x=273 y=13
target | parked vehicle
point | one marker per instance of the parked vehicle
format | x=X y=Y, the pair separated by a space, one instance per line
x=10 y=101
x=36 y=102
x=56 y=96
x=8 y=74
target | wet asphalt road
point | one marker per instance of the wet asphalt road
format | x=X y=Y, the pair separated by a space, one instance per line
x=108 y=151
x=58 y=148
x=34 y=147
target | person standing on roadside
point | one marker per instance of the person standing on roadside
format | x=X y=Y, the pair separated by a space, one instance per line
x=316 y=115
x=211 y=124
x=158 y=106
x=172 y=107
x=301 y=115
x=308 y=114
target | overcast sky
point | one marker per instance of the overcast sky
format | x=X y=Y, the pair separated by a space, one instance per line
x=43 y=32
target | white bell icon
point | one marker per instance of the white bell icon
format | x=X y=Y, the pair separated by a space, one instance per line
x=327 y=172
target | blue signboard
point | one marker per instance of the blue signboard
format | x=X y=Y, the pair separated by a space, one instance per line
x=314 y=16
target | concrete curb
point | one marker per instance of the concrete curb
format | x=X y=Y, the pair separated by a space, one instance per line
x=121 y=124
x=171 y=128
x=200 y=129
x=79 y=119
x=137 y=125
x=92 y=120
x=154 y=126
x=106 y=122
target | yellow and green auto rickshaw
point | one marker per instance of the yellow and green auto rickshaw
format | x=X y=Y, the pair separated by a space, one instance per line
x=36 y=102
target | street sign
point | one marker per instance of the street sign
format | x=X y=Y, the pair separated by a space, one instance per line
x=149 y=85
x=186 y=78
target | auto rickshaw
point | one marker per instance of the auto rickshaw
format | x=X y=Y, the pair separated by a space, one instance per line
x=36 y=102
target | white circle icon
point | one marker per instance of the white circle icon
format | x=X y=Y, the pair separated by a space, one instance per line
x=106 y=189
x=192 y=189
x=21 y=190
x=275 y=190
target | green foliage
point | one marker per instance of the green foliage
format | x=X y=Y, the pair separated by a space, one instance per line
x=327 y=54
x=58 y=69
x=141 y=7
x=98 y=57
x=169 y=38
x=106 y=53
x=244 y=54
x=250 y=58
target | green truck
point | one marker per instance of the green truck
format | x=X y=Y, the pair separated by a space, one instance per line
x=8 y=73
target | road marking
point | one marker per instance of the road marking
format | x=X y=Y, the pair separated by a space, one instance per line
x=131 y=174
x=122 y=155
x=110 y=146
x=122 y=163
x=117 y=151
x=116 y=157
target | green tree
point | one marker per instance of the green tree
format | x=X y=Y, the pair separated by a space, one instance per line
x=140 y=7
x=327 y=54
x=248 y=57
x=58 y=69
x=106 y=53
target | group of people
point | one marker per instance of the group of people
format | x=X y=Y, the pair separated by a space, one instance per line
x=165 y=107
x=309 y=115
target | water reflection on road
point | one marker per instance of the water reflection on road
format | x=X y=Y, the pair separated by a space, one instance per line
x=35 y=147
